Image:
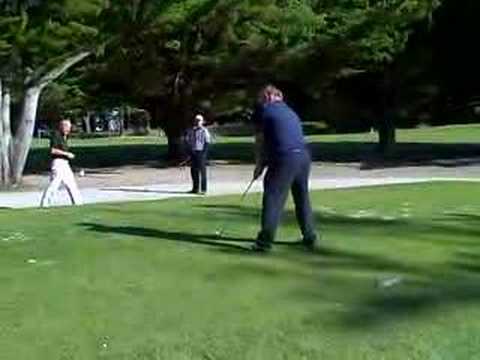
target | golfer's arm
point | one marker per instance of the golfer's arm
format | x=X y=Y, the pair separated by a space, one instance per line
x=208 y=140
x=260 y=154
x=59 y=152
x=208 y=137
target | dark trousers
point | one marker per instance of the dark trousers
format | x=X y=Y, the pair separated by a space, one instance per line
x=290 y=172
x=198 y=170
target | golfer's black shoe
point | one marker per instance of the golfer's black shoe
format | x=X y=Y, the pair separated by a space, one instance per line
x=259 y=248
x=194 y=192
x=310 y=244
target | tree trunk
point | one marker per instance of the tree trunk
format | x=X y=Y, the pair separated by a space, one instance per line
x=22 y=139
x=24 y=133
x=178 y=120
x=175 y=147
x=386 y=128
x=2 y=151
x=148 y=126
x=386 y=135
x=5 y=136
x=121 y=115
x=174 y=126
x=3 y=174
x=86 y=122
x=128 y=117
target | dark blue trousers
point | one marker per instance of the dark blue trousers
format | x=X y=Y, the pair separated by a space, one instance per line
x=289 y=172
x=198 y=170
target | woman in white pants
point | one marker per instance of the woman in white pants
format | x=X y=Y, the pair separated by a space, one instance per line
x=61 y=170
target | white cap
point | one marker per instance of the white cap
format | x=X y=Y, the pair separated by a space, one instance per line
x=199 y=117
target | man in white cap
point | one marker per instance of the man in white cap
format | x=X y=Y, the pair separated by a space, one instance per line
x=61 y=173
x=197 y=140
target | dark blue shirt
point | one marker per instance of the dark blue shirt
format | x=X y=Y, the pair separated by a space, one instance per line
x=282 y=129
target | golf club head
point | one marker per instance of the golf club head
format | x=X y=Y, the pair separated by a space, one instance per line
x=220 y=232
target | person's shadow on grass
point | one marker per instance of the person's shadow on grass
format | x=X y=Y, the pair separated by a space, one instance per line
x=199 y=239
x=336 y=258
x=224 y=243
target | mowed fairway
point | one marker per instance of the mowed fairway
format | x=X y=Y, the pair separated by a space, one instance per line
x=399 y=278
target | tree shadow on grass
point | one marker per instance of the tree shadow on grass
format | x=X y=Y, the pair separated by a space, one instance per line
x=101 y=156
x=461 y=224
x=403 y=227
x=212 y=240
x=443 y=289
x=424 y=287
x=241 y=152
x=430 y=288
x=405 y=154
x=364 y=152
x=465 y=217
x=289 y=217
x=336 y=257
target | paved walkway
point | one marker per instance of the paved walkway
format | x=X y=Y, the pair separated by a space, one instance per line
x=233 y=180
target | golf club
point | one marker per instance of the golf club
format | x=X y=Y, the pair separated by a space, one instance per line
x=182 y=167
x=221 y=230
x=247 y=189
x=184 y=162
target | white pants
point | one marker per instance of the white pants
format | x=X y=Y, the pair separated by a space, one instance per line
x=61 y=174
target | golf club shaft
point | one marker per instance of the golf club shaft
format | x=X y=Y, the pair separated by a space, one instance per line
x=184 y=163
x=247 y=189
x=221 y=230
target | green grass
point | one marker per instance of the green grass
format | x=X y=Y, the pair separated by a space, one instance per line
x=102 y=152
x=441 y=134
x=415 y=145
x=106 y=141
x=463 y=134
x=150 y=281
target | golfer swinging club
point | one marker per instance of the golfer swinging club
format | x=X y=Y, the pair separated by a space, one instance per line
x=60 y=168
x=283 y=152
x=197 y=140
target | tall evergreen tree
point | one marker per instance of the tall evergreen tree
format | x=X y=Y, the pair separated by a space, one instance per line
x=39 y=42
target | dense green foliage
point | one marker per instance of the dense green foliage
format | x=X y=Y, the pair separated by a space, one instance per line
x=35 y=36
x=219 y=52
x=355 y=64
